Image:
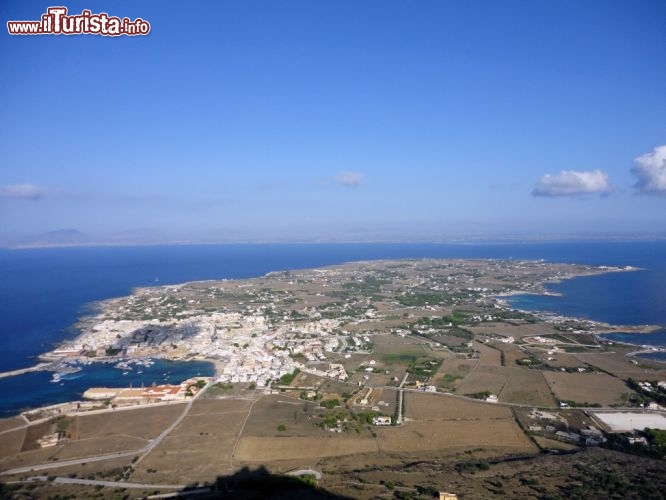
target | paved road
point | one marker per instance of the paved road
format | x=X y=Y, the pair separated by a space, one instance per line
x=65 y=463
x=109 y=484
x=398 y=419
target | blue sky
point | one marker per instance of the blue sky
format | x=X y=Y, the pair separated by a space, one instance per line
x=337 y=120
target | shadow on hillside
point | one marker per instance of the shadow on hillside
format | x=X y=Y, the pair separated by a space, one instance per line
x=260 y=484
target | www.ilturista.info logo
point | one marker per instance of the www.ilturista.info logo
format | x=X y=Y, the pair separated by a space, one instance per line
x=57 y=22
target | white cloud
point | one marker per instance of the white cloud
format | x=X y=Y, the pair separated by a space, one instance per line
x=21 y=192
x=650 y=171
x=573 y=183
x=349 y=179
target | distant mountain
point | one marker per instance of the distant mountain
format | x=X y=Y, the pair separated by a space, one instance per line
x=57 y=238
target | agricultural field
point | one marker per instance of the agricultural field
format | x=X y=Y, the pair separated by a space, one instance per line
x=11 y=423
x=253 y=449
x=387 y=342
x=11 y=442
x=563 y=359
x=139 y=423
x=587 y=388
x=390 y=397
x=423 y=406
x=34 y=432
x=512 y=353
x=99 y=446
x=451 y=373
x=527 y=387
x=270 y=412
x=622 y=366
x=456 y=367
x=336 y=386
x=33 y=455
x=484 y=378
x=89 y=435
x=199 y=448
x=488 y=356
x=446 y=434
x=513 y=329
x=450 y=340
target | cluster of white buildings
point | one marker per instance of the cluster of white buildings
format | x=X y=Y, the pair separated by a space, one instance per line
x=498 y=338
x=250 y=349
x=541 y=340
x=647 y=386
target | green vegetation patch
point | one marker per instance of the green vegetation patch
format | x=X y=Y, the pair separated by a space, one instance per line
x=288 y=378
x=403 y=358
x=449 y=378
x=330 y=403
x=420 y=299
x=424 y=367
x=479 y=395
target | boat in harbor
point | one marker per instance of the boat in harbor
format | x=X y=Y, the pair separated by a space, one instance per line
x=65 y=372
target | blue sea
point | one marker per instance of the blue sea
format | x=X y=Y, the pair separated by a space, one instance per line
x=44 y=291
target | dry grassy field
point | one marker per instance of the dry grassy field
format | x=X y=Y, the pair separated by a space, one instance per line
x=457 y=367
x=88 y=435
x=484 y=378
x=24 y=458
x=271 y=411
x=622 y=366
x=451 y=372
x=449 y=340
x=592 y=388
x=34 y=432
x=390 y=397
x=526 y=386
x=253 y=449
x=512 y=353
x=562 y=359
x=145 y=423
x=516 y=331
x=446 y=434
x=11 y=423
x=99 y=446
x=11 y=442
x=394 y=344
x=200 y=447
x=336 y=386
x=488 y=355
x=424 y=406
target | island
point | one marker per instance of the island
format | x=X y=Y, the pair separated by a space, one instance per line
x=369 y=379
